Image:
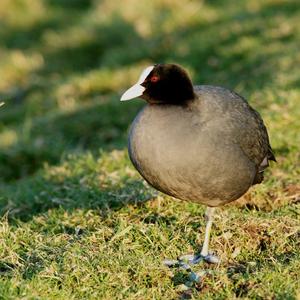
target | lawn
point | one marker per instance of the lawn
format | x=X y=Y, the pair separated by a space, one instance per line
x=77 y=221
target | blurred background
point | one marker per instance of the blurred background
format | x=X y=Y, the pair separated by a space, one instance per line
x=64 y=64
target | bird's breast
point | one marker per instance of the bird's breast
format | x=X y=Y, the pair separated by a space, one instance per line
x=183 y=154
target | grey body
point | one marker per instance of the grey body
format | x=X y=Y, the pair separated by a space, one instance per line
x=210 y=151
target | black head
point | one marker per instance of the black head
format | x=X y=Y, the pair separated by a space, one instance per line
x=163 y=84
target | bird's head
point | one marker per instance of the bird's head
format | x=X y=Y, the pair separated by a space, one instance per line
x=162 y=84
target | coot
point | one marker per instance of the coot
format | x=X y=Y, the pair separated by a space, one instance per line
x=202 y=143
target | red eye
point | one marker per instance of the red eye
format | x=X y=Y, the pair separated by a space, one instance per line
x=154 y=78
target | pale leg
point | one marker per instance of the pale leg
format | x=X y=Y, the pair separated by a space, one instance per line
x=209 y=219
x=204 y=255
x=204 y=252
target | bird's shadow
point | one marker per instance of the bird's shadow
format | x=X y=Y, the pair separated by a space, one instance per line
x=38 y=195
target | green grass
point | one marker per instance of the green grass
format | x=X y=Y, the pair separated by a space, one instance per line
x=77 y=221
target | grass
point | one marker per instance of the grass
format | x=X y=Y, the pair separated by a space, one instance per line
x=77 y=221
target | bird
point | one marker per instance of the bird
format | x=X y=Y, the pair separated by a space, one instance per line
x=201 y=143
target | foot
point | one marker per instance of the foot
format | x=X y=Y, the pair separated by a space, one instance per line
x=186 y=263
x=197 y=258
x=191 y=259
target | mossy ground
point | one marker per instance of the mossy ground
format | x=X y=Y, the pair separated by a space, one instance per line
x=77 y=220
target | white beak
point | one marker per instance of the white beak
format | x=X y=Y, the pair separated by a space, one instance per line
x=133 y=92
x=137 y=89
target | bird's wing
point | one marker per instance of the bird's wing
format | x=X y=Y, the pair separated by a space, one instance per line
x=255 y=141
x=242 y=124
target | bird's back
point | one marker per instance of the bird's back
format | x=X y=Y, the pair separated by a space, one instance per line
x=240 y=122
